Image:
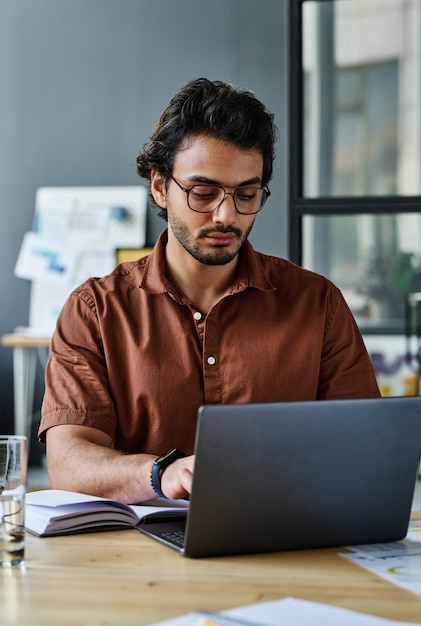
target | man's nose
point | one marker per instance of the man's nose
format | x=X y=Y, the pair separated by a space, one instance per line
x=226 y=211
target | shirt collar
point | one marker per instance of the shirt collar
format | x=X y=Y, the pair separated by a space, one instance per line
x=250 y=271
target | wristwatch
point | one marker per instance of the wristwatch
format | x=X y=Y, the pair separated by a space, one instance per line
x=160 y=464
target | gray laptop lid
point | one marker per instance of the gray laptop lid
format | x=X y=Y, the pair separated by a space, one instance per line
x=285 y=476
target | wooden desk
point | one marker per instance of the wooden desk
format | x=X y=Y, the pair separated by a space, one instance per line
x=25 y=350
x=123 y=577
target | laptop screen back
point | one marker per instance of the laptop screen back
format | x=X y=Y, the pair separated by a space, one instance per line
x=286 y=476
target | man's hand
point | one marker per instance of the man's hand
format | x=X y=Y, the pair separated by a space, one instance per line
x=177 y=478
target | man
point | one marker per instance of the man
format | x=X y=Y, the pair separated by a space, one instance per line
x=203 y=320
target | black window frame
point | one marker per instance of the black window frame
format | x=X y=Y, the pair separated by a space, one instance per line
x=299 y=205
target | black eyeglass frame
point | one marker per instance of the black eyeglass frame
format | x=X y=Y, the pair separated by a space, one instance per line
x=187 y=190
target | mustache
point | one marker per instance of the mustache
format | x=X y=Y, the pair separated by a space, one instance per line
x=220 y=229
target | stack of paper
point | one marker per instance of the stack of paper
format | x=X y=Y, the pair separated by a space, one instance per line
x=398 y=562
x=284 y=612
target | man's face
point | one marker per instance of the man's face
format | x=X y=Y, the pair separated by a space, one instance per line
x=211 y=238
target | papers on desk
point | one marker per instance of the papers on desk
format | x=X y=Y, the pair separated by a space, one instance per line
x=285 y=612
x=398 y=562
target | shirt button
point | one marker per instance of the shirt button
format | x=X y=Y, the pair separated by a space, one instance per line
x=197 y=315
x=211 y=360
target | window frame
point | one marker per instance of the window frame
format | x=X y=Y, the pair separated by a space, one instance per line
x=299 y=205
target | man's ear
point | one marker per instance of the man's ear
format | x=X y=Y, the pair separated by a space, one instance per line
x=159 y=188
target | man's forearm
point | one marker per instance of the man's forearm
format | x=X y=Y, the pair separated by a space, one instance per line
x=90 y=468
x=82 y=459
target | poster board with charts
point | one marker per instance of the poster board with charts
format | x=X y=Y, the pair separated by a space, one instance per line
x=75 y=235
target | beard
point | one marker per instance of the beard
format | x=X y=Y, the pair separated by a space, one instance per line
x=219 y=255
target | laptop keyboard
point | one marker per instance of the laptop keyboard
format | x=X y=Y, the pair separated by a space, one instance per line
x=175 y=537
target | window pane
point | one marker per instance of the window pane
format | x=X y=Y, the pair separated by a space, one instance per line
x=362 y=98
x=374 y=259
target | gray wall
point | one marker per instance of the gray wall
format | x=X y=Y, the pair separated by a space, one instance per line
x=82 y=83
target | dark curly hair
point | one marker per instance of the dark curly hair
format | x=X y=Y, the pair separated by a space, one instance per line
x=213 y=108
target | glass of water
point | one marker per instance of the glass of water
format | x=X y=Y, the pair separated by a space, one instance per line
x=13 y=468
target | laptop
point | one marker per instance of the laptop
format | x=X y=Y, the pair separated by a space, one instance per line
x=292 y=476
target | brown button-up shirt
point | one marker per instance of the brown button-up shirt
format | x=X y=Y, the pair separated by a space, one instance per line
x=135 y=359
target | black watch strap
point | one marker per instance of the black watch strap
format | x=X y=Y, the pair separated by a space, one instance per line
x=161 y=463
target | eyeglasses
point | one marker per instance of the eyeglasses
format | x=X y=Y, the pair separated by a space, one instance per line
x=207 y=198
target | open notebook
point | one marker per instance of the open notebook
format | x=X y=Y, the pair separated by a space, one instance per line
x=285 y=476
